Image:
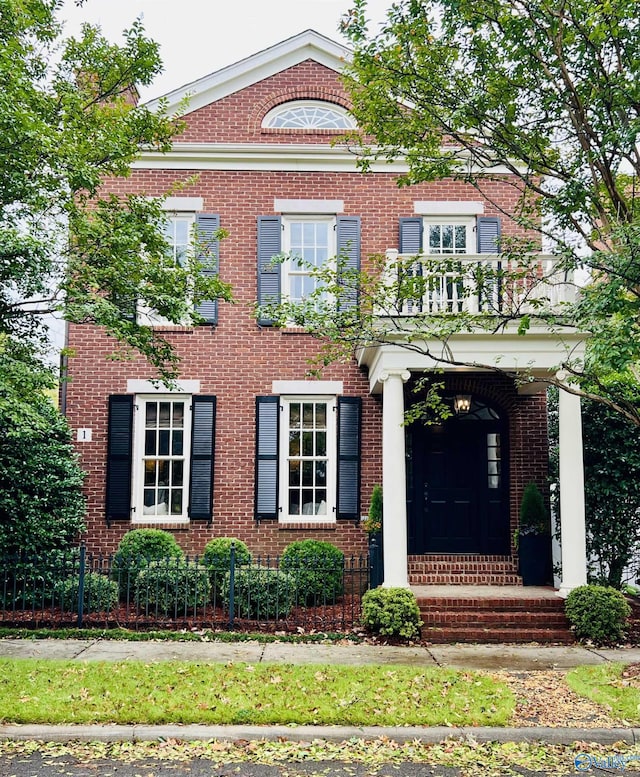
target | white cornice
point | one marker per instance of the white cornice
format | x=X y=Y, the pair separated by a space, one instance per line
x=306 y=45
x=310 y=157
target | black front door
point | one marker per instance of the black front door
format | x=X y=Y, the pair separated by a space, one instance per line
x=457 y=488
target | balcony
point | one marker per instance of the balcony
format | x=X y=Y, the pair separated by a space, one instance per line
x=476 y=284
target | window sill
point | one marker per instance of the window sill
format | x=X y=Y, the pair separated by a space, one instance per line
x=307 y=526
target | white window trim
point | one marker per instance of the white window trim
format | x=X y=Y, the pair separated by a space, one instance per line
x=468 y=221
x=287 y=265
x=137 y=514
x=332 y=460
x=147 y=316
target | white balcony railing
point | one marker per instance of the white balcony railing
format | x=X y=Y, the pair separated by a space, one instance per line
x=488 y=284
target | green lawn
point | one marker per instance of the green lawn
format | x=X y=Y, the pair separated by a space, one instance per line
x=605 y=685
x=37 y=691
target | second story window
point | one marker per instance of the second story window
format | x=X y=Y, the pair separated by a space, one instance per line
x=309 y=242
x=178 y=233
x=449 y=235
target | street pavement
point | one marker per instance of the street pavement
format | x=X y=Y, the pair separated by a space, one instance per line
x=530 y=657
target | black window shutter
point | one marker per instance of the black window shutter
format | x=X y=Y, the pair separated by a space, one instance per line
x=269 y=245
x=349 y=426
x=488 y=234
x=208 y=245
x=119 y=457
x=348 y=245
x=266 y=486
x=203 y=433
x=410 y=236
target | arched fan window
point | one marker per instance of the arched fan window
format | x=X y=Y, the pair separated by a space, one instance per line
x=308 y=115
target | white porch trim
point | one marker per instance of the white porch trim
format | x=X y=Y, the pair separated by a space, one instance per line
x=394 y=483
x=572 y=514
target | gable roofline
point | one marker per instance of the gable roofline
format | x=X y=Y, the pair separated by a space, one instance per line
x=256 y=67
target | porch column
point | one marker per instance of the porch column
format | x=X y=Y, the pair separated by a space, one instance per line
x=394 y=483
x=572 y=522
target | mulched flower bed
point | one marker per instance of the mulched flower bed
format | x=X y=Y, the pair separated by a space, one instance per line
x=342 y=615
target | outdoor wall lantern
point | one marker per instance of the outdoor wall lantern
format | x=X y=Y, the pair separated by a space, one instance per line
x=462 y=403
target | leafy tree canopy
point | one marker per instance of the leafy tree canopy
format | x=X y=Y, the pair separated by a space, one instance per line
x=547 y=90
x=41 y=503
x=68 y=121
x=612 y=494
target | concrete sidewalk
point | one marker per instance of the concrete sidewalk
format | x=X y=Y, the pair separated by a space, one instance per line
x=489 y=657
x=460 y=656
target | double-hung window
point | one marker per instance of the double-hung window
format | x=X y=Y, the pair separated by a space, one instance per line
x=160 y=455
x=178 y=233
x=309 y=242
x=449 y=235
x=161 y=458
x=442 y=232
x=308 y=458
x=309 y=237
x=308 y=453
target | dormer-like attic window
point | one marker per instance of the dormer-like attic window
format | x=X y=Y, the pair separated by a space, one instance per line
x=306 y=115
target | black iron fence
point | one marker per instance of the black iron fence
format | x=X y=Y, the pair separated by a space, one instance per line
x=83 y=589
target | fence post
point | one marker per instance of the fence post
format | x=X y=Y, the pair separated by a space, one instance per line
x=83 y=552
x=232 y=579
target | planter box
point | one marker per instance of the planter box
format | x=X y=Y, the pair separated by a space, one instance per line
x=534 y=552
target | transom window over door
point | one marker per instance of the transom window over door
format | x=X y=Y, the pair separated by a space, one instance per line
x=310 y=243
x=164 y=425
x=308 y=460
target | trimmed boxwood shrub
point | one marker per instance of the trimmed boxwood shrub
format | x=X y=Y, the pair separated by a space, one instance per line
x=172 y=586
x=100 y=593
x=261 y=592
x=217 y=559
x=597 y=613
x=137 y=548
x=317 y=568
x=391 y=612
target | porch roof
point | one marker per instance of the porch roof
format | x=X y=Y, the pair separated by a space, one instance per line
x=538 y=354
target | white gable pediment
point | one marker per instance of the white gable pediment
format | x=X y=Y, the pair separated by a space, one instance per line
x=306 y=45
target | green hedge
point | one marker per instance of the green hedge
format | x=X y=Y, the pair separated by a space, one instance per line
x=137 y=548
x=261 y=592
x=100 y=593
x=598 y=614
x=217 y=559
x=317 y=568
x=391 y=612
x=172 y=587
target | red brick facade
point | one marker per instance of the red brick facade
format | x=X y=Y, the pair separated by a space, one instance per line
x=237 y=360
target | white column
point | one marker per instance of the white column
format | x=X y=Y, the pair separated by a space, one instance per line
x=572 y=522
x=394 y=484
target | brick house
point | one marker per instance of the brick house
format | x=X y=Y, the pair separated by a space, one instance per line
x=246 y=444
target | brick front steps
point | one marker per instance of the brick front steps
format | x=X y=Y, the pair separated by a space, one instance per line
x=513 y=614
x=454 y=569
